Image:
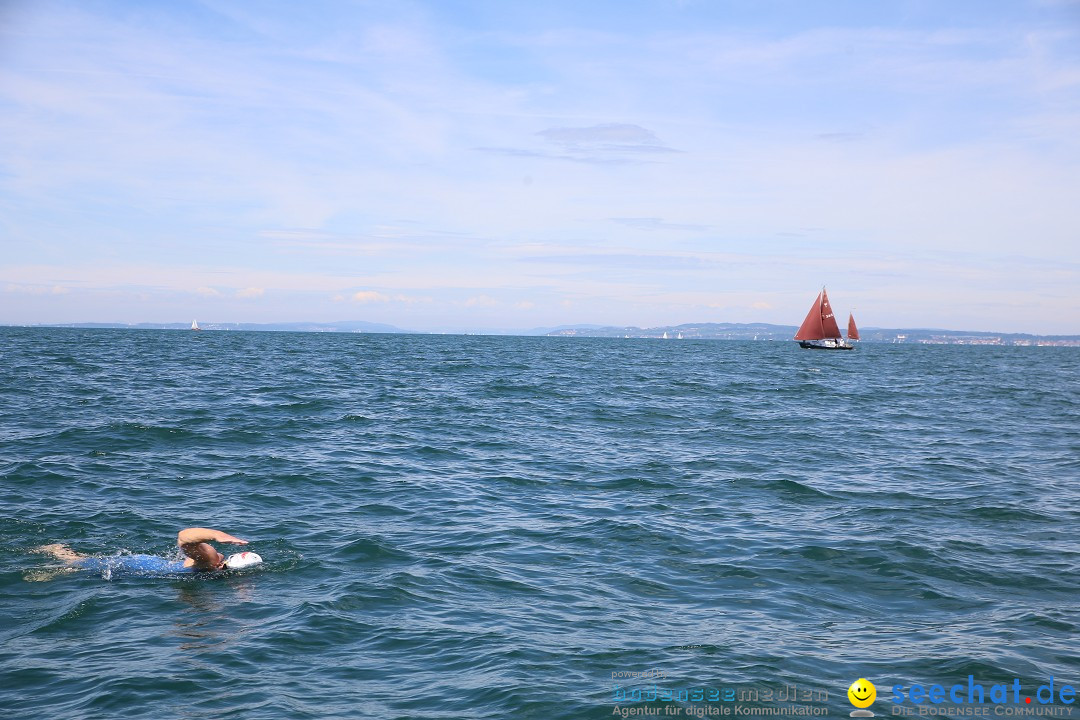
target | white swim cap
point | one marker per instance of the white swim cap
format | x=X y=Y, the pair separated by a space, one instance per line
x=242 y=560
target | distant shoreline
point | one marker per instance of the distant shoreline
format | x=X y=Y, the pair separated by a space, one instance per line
x=689 y=331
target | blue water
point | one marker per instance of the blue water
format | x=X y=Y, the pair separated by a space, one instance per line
x=490 y=527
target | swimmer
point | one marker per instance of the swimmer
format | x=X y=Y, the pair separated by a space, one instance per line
x=195 y=542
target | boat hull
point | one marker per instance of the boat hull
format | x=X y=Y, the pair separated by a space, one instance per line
x=825 y=345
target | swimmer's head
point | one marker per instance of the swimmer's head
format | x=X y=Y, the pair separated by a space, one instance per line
x=241 y=560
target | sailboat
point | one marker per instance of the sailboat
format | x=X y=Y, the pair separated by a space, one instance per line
x=819 y=330
x=195 y=325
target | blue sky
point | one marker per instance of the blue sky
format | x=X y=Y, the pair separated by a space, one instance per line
x=452 y=166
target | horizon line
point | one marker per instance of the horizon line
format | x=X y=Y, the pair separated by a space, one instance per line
x=389 y=329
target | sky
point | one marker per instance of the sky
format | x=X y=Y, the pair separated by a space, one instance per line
x=494 y=165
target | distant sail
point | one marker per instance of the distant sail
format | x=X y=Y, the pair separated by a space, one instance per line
x=195 y=325
x=852 y=331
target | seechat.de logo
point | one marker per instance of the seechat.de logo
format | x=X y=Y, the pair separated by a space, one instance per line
x=862 y=694
x=974 y=693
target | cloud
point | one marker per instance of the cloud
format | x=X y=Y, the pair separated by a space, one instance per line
x=374 y=296
x=653 y=223
x=251 y=292
x=36 y=289
x=380 y=241
x=171 y=277
x=610 y=137
x=370 y=296
x=606 y=144
x=481 y=301
x=839 y=137
x=624 y=260
x=588 y=159
x=516 y=152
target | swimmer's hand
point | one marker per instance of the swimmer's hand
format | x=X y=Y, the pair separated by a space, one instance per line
x=200 y=535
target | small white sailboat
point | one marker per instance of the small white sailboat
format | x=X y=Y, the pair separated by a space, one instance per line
x=195 y=325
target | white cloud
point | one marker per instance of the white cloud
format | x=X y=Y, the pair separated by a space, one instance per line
x=36 y=289
x=370 y=296
x=480 y=301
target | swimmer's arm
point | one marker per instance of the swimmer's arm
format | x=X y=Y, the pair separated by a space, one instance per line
x=191 y=536
x=193 y=541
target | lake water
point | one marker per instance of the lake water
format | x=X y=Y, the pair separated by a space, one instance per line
x=506 y=527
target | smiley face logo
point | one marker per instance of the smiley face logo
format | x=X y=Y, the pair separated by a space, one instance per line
x=862 y=693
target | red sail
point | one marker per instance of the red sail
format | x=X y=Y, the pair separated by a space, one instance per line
x=828 y=320
x=811 y=326
x=820 y=322
x=852 y=331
